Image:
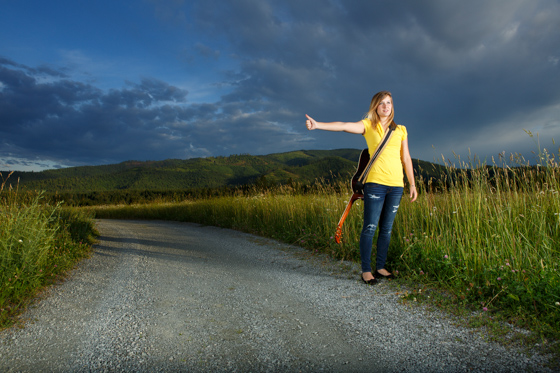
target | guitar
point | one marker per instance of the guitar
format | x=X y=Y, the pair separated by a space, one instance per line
x=358 y=192
x=364 y=166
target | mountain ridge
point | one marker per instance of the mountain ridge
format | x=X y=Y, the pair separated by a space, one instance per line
x=304 y=166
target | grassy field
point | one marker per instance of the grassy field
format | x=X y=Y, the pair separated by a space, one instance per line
x=484 y=240
x=38 y=245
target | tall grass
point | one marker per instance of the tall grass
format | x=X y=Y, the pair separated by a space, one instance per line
x=489 y=236
x=38 y=243
x=278 y=213
x=492 y=236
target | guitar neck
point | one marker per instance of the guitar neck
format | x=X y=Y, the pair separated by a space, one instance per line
x=338 y=234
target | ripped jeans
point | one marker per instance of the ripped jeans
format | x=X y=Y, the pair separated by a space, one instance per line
x=381 y=203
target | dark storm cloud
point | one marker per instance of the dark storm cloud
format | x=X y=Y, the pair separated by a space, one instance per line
x=463 y=75
x=72 y=123
x=456 y=69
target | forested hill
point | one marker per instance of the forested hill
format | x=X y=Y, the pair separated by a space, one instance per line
x=303 y=166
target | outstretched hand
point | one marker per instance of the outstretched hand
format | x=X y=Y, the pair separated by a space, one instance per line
x=310 y=123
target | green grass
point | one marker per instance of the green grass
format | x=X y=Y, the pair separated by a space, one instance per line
x=38 y=245
x=483 y=240
x=486 y=237
x=491 y=239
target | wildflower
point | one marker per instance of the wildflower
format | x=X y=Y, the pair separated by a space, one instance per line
x=421 y=272
x=557 y=303
x=507 y=263
x=445 y=256
x=20 y=241
x=499 y=279
x=485 y=309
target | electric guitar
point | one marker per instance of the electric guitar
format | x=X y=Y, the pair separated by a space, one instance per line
x=358 y=180
x=357 y=188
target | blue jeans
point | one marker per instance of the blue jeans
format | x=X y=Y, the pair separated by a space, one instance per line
x=381 y=203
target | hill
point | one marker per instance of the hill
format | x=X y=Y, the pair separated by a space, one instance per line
x=304 y=166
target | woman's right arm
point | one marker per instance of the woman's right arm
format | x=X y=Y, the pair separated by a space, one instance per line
x=350 y=127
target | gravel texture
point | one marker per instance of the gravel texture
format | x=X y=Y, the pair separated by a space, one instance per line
x=167 y=296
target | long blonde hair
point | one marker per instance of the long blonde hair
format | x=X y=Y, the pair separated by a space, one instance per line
x=375 y=101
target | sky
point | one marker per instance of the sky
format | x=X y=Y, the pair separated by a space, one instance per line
x=102 y=82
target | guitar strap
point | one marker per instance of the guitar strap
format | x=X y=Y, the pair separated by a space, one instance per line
x=380 y=147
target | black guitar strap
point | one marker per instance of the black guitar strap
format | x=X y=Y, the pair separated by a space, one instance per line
x=376 y=153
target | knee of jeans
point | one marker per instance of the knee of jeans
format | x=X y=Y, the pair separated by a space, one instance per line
x=386 y=228
x=369 y=229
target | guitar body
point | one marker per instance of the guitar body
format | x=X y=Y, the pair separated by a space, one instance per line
x=357 y=188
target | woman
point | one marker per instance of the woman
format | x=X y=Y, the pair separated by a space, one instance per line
x=384 y=185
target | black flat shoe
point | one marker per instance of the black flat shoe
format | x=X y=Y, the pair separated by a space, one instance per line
x=373 y=281
x=380 y=276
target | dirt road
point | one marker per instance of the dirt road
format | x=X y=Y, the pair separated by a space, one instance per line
x=165 y=296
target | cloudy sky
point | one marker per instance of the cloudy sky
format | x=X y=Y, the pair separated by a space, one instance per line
x=99 y=82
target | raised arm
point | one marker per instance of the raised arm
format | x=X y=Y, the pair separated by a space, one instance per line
x=408 y=169
x=350 y=127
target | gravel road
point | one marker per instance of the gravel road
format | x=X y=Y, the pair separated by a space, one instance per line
x=167 y=296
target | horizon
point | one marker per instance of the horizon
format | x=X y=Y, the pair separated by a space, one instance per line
x=474 y=162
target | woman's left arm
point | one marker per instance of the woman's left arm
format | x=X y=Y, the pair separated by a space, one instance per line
x=407 y=163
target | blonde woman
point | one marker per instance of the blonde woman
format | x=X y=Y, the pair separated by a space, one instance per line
x=385 y=182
